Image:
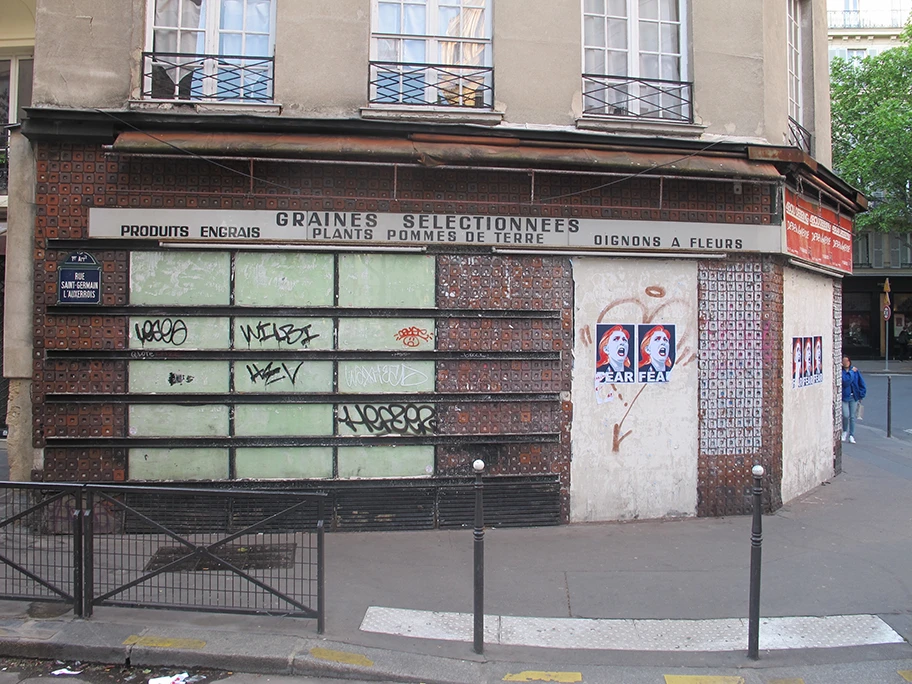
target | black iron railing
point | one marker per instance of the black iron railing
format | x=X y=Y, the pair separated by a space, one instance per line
x=431 y=85
x=799 y=136
x=641 y=98
x=219 y=78
x=866 y=19
x=231 y=551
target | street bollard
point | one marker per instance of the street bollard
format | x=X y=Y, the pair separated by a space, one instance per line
x=889 y=406
x=479 y=465
x=753 y=629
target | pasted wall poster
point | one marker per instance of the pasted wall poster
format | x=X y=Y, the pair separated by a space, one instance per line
x=628 y=353
x=807 y=361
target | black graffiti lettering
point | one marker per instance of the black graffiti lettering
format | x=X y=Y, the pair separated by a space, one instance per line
x=286 y=333
x=398 y=419
x=179 y=378
x=162 y=330
x=274 y=372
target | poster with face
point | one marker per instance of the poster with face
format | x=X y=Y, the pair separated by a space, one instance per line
x=818 y=360
x=808 y=360
x=797 y=364
x=656 y=350
x=612 y=361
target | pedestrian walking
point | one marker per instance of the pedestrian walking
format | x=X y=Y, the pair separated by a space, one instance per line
x=853 y=391
x=903 y=342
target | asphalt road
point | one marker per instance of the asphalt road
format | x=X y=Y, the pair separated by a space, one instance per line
x=875 y=403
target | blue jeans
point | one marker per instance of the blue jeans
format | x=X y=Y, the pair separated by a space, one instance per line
x=849 y=411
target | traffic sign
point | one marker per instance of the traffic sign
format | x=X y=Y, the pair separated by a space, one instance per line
x=887 y=313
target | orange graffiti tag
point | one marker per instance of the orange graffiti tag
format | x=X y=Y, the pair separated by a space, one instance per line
x=413 y=336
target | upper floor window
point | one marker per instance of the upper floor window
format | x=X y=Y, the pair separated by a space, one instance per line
x=218 y=50
x=799 y=136
x=431 y=52
x=901 y=250
x=15 y=95
x=633 y=59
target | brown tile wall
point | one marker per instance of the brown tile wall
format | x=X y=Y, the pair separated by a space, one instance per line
x=740 y=363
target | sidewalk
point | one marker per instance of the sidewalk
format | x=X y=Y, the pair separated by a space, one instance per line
x=842 y=550
x=882 y=367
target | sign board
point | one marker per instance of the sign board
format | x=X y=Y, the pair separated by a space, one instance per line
x=817 y=234
x=366 y=227
x=79 y=280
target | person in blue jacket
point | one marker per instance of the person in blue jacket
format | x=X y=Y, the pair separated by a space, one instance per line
x=853 y=391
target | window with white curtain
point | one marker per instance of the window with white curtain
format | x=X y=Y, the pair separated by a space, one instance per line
x=638 y=47
x=431 y=52
x=211 y=49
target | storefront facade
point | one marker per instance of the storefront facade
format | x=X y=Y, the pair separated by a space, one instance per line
x=371 y=327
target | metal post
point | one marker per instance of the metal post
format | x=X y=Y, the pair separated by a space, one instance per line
x=753 y=633
x=889 y=406
x=886 y=344
x=78 y=579
x=88 y=592
x=479 y=465
x=321 y=569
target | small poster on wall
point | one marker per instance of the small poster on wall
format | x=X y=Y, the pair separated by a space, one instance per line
x=629 y=353
x=807 y=361
x=612 y=362
x=657 y=352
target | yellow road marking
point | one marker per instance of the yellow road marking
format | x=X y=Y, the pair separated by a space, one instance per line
x=702 y=679
x=905 y=674
x=536 y=676
x=794 y=680
x=163 y=642
x=341 y=657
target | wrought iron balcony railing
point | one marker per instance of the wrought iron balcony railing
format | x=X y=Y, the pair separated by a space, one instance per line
x=866 y=19
x=641 y=98
x=799 y=136
x=431 y=85
x=219 y=78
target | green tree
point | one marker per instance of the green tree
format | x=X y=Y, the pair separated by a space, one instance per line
x=872 y=133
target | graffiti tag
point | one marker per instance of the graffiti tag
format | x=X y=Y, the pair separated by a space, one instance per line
x=286 y=333
x=162 y=330
x=391 y=374
x=413 y=336
x=400 y=419
x=274 y=372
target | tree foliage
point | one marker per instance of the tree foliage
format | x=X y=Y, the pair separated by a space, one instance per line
x=872 y=133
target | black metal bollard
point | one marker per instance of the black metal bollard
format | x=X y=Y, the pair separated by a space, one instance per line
x=753 y=629
x=479 y=465
x=889 y=406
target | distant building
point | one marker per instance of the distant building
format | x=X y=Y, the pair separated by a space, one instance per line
x=355 y=245
x=858 y=29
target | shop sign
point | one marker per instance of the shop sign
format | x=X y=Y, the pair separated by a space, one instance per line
x=817 y=234
x=367 y=228
x=79 y=280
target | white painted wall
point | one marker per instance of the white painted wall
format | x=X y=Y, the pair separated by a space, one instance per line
x=807 y=412
x=652 y=471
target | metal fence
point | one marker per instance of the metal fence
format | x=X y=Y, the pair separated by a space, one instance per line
x=159 y=547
